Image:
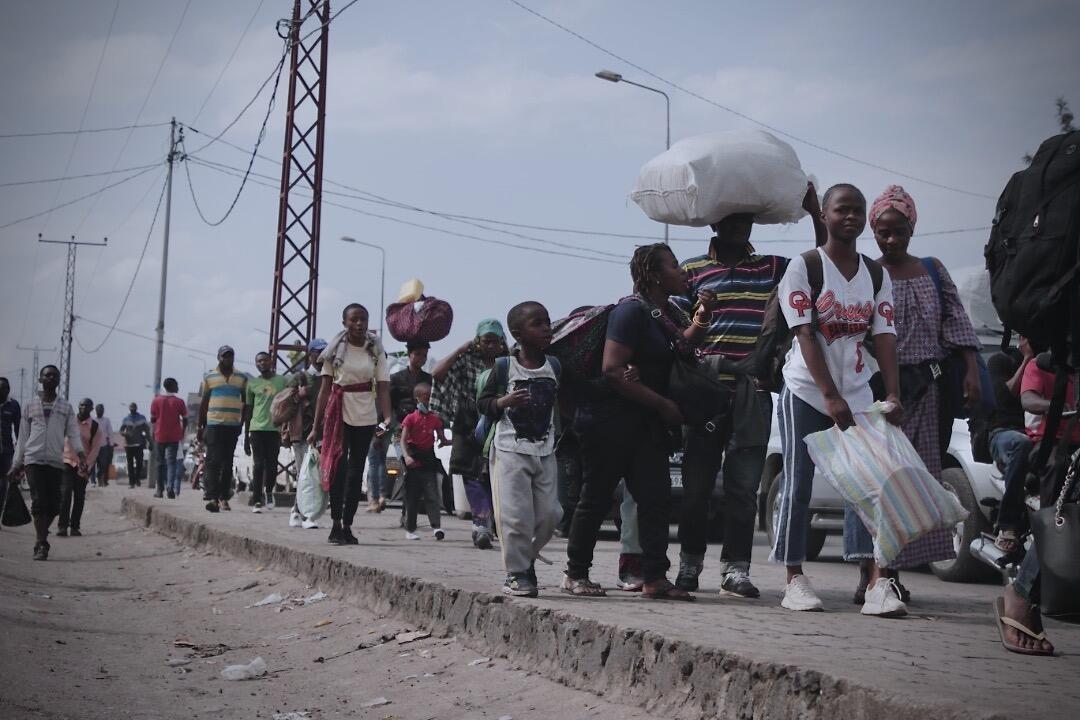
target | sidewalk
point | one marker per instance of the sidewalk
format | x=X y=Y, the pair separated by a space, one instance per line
x=724 y=657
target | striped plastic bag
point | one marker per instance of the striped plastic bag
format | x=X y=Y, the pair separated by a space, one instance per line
x=874 y=467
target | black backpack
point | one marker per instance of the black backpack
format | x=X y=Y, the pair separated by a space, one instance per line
x=771 y=348
x=1032 y=252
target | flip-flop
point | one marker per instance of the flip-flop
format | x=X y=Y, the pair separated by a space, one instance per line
x=1002 y=621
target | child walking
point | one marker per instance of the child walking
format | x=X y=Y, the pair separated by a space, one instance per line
x=520 y=395
x=419 y=430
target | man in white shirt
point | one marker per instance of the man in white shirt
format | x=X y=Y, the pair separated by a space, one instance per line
x=48 y=421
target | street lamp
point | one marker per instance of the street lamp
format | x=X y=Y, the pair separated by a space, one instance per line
x=382 y=282
x=615 y=77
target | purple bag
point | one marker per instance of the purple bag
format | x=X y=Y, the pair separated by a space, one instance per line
x=430 y=323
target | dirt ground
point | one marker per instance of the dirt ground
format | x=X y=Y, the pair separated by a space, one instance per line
x=123 y=623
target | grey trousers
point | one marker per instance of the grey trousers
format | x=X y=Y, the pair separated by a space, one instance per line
x=527 y=510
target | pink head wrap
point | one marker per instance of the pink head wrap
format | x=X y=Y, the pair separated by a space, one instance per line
x=894 y=198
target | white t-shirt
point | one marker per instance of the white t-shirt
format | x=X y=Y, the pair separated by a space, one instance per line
x=535 y=417
x=845 y=310
x=358 y=408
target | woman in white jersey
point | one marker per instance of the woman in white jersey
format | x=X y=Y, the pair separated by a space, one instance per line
x=826 y=379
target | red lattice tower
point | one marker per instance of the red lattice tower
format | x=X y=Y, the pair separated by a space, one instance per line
x=296 y=268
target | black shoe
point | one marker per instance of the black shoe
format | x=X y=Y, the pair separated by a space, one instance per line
x=41 y=551
x=212 y=506
x=75 y=532
x=171 y=495
x=336 y=536
x=157 y=494
x=519 y=585
x=737 y=583
x=347 y=538
x=531 y=573
x=905 y=594
x=62 y=532
x=689 y=569
x=483 y=540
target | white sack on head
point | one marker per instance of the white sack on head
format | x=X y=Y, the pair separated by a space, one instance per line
x=703 y=179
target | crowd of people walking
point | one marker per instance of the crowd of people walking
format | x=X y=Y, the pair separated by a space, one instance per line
x=542 y=453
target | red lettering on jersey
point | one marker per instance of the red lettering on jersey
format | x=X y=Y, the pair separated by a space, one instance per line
x=885 y=310
x=800 y=301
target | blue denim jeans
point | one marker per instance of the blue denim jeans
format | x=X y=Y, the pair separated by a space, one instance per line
x=169 y=470
x=858 y=545
x=1026 y=582
x=797 y=420
x=1010 y=449
x=376 y=469
x=628 y=534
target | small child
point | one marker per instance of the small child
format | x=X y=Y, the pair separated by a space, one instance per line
x=419 y=430
x=520 y=394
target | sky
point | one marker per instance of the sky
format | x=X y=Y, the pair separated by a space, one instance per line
x=474 y=108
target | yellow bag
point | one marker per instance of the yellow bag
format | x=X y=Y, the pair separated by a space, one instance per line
x=411 y=291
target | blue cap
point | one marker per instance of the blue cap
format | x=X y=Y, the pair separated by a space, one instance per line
x=316 y=345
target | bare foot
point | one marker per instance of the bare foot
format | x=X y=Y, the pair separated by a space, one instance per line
x=1028 y=615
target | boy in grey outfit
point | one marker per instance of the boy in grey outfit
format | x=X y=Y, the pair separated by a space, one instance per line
x=520 y=396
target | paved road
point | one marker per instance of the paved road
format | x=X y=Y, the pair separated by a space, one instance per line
x=946 y=651
x=89 y=635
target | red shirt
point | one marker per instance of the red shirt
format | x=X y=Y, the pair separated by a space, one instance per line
x=166 y=412
x=1041 y=382
x=422 y=428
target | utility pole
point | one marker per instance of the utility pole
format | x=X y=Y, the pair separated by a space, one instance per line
x=36 y=367
x=69 y=305
x=165 y=258
x=22 y=387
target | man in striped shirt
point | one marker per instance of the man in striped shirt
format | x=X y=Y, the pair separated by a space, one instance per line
x=221 y=417
x=743 y=282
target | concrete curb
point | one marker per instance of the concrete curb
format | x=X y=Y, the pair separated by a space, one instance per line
x=628 y=665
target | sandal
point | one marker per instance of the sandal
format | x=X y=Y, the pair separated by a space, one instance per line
x=666 y=591
x=582 y=587
x=1002 y=621
x=1007 y=541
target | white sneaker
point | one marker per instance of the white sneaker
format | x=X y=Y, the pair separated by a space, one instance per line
x=309 y=525
x=799 y=596
x=270 y=502
x=883 y=600
x=257 y=508
x=295 y=519
x=438 y=533
x=411 y=536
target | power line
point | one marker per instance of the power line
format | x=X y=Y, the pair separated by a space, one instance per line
x=91 y=131
x=251 y=160
x=78 y=199
x=86 y=107
x=743 y=115
x=134 y=275
x=146 y=100
x=228 y=62
x=147 y=337
x=432 y=227
x=45 y=181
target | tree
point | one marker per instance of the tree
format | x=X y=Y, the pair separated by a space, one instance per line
x=1064 y=118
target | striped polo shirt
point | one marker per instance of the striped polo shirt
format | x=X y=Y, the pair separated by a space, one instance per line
x=226 y=397
x=742 y=292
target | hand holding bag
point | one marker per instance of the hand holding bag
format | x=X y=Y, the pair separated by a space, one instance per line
x=1057 y=541
x=14 y=513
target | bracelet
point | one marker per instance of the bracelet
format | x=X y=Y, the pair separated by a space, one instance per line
x=699 y=324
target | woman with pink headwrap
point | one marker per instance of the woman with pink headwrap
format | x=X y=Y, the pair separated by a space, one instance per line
x=930 y=324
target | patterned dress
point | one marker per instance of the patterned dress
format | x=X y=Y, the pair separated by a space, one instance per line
x=927 y=331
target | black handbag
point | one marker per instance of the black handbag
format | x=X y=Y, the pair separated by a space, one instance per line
x=1057 y=541
x=703 y=400
x=15 y=513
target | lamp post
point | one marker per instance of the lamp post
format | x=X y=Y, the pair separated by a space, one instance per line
x=615 y=77
x=382 y=281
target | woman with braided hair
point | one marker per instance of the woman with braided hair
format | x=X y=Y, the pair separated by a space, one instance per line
x=625 y=431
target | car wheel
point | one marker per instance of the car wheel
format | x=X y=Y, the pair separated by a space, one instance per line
x=772 y=508
x=815 y=539
x=966 y=567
